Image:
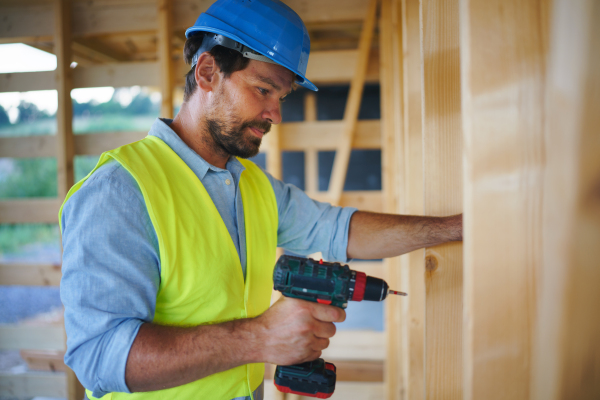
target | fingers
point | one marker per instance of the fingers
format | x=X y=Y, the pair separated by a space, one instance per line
x=327 y=313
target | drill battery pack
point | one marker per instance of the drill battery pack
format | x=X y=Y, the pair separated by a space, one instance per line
x=314 y=379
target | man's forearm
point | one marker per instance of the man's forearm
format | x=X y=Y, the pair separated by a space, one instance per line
x=164 y=356
x=374 y=235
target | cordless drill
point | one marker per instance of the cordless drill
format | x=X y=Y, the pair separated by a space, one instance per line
x=325 y=283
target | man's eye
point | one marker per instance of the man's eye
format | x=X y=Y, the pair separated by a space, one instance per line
x=263 y=91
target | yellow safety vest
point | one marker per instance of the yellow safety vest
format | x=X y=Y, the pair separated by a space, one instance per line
x=201 y=279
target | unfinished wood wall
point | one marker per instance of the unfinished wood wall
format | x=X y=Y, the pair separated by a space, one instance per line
x=488 y=106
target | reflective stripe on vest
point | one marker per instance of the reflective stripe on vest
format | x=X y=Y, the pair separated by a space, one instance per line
x=201 y=275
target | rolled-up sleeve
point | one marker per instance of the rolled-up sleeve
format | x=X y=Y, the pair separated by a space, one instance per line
x=307 y=226
x=111 y=275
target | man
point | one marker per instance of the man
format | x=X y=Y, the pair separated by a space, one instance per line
x=169 y=243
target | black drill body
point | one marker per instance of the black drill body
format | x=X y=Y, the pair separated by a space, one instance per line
x=325 y=283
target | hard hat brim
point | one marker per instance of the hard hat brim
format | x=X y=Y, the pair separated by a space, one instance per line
x=300 y=78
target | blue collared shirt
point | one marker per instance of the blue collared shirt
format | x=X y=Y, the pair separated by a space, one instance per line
x=111 y=261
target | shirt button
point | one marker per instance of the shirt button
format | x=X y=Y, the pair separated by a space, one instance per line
x=227 y=182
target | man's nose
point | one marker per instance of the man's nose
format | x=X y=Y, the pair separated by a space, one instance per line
x=272 y=112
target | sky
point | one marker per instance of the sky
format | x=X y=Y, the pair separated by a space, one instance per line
x=22 y=58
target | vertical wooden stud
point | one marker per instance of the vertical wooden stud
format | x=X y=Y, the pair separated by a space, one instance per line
x=342 y=154
x=503 y=107
x=567 y=346
x=165 y=32
x=392 y=157
x=413 y=264
x=311 y=160
x=442 y=153
x=65 y=150
x=273 y=148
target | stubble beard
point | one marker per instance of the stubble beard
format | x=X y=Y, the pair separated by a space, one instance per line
x=228 y=132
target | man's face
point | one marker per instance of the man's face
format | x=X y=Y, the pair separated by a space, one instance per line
x=245 y=105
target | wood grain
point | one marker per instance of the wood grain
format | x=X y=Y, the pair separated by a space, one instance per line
x=503 y=114
x=567 y=350
x=442 y=161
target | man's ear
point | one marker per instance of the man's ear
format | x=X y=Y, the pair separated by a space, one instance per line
x=206 y=72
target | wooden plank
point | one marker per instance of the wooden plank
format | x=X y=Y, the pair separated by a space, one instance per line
x=33 y=384
x=98 y=143
x=503 y=119
x=363 y=200
x=273 y=148
x=344 y=148
x=391 y=112
x=295 y=136
x=15 y=337
x=25 y=211
x=145 y=73
x=28 y=146
x=567 y=351
x=325 y=135
x=339 y=66
x=442 y=161
x=311 y=156
x=325 y=67
x=44 y=360
x=30 y=274
x=109 y=17
x=64 y=115
x=164 y=50
x=356 y=345
x=26 y=81
x=412 y=277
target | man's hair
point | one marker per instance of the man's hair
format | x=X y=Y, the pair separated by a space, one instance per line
x=228 y=61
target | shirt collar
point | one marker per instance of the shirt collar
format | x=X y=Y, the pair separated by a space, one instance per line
x=161 y=129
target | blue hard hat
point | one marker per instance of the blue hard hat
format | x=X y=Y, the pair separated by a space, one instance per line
x=267 y=27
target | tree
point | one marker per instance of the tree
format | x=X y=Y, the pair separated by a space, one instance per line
x=4 y=120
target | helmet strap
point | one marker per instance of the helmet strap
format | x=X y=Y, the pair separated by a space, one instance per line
x=211 y=40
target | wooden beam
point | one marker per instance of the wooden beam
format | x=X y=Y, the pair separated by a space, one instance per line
x=392 y=157
x=33 y=384
x=338 y=67
x=273 y=147
x=98 y=143
x=567 y=351
x=164 y=50
x=325 y=135
x=33 y=18
x=28 y=146
x=412 y=267
x=442 y=161
x=295 y=136
x=30 y=274
x=15 y=337
x=356 y=346
x=64 y=115
x=311 y=155
x=503 y=115
x=342 y=155
x=144 y=73
x=363 y=200
x=26 y=81
x=25 y=211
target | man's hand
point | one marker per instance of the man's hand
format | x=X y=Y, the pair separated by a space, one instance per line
x=373 y=235
x=296 y=331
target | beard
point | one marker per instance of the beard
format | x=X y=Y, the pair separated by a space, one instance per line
x=228 y=132
x=228 y=135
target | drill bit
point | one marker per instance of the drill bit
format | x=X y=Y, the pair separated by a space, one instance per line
x=397 y=293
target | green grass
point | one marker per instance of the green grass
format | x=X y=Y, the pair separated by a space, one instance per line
x=14 y=236
x=81 y=125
